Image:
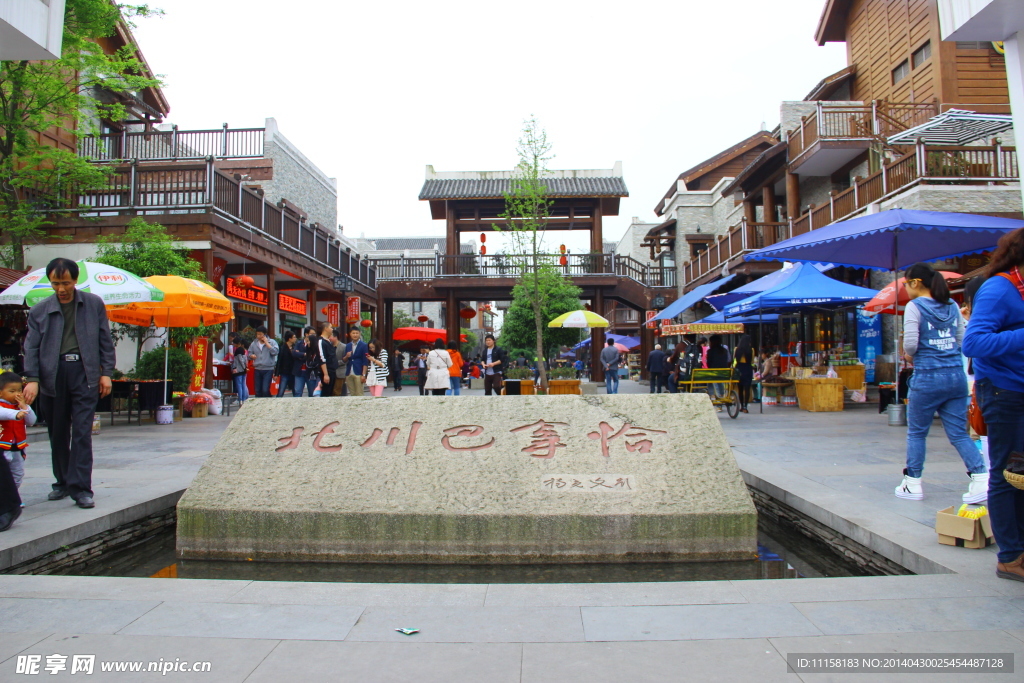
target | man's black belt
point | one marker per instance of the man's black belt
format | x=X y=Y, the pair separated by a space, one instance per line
x=71 y=357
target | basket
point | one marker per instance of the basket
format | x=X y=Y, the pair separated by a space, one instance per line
x=1016 y=480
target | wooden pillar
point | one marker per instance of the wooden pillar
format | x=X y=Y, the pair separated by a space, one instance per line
x=387 y=327
x=749 y=210
x=271 y=304
x=792 y=195
x=597 y=341
x=207 y=261
x=313 y=310
x=451 y=318
x=597 y=235
x=646 y=346
x=452 y=238
x=768 y=199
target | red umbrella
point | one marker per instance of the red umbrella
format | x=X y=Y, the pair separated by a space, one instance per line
x=621 y=347
x=424 y=334
x=883 y=302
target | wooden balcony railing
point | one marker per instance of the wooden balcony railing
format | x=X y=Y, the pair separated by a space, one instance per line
x=875 y=121
x=505 y=266
x=174 y=144
x=193 y=187
x=941 y=165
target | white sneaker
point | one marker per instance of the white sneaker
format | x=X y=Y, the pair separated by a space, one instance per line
x=910 y=488
x=977 y=491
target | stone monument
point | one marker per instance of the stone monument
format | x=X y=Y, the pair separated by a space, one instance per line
x=471 y=479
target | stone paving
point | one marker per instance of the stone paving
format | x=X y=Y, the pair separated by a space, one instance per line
x=839 y=468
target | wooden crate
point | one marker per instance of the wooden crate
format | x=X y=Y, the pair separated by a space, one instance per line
x=852 y=375
x=820 y=395
x=564 y=386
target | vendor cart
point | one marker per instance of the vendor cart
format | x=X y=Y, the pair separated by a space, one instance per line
x=702 y=381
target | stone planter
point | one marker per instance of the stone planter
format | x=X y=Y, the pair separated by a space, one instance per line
x=564 y=386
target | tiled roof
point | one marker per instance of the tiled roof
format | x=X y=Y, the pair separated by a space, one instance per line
x=496 y=188
x=414 y=244
x=9 y=276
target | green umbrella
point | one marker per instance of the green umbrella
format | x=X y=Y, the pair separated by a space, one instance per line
x=113 y=285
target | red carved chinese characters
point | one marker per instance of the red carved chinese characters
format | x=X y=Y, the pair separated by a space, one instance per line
x=642 y=445
x=545 y=439
x=327 y=430
x=290 y=442
x=393 y=435
x=464 y=431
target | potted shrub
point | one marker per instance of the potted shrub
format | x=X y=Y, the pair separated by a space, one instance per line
x=519 y=381
x=563 y=381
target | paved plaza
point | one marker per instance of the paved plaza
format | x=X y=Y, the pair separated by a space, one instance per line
x=837 y=468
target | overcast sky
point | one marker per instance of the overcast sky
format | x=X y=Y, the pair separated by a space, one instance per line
x=373 y=92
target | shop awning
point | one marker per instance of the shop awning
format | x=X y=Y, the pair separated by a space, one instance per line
x=8 y=276
x=691 y=298
x=806 y=288
x=954 y=127
x=628 y=342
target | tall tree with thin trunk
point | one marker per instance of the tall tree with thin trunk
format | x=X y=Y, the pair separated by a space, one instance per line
x=527 y=208
x=68 y=96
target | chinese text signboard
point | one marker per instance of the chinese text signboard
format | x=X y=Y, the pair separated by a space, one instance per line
x=702 y=328
x=198 y=348
x=333 y=315
x=291 y=304
x=354 y=306
x=651 y=323
x=253 y=294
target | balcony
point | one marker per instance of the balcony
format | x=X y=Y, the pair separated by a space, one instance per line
x=503 y=266
x=174 y=144
x=834 y=135
x=925 y=164
x=186 y=187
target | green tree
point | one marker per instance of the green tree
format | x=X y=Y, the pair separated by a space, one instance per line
x=526 y=210
x=70 y=94
x=518 y=331
x=400 y=318
x=146 y=249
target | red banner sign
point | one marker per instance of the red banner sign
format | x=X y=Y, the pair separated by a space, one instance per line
x=198 y=349
x=253 y=294
x=651 y=323
x=353 y=307
x=333 y=314
x=291 y=304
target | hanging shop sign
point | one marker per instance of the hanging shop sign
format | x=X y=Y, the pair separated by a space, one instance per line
x=333 y=313
x=291 y=304
x=651 y=323
x=198 y=348
x=252 y=293
x=354 y=305
x=702 y=328
x=251 y=310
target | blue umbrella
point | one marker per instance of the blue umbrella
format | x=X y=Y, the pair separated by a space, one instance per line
x=892 y=240
x=806 y=287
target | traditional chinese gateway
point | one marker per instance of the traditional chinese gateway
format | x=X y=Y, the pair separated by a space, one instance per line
x=541 y=479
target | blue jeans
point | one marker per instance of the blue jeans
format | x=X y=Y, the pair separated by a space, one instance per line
x=263 y=379
x=943 y=390
x=611 y=381
x=456 y=386
x=241 y=388
x=1004 y=414
x=299 y=382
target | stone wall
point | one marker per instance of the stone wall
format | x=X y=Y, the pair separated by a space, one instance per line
x=983 y=199
x=629 y=245
x=298 y=180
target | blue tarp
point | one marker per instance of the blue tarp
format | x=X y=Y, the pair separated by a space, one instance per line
x=892 y=239
x=692 y=297
x=720 y=301
x=806 y=288
x=628 y=342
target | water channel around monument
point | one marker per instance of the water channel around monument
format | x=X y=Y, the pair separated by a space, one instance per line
x=781 y=554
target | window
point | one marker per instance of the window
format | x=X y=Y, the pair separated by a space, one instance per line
x=972 y=45
x=900 y=72
x=417 y=306
x=921 y=55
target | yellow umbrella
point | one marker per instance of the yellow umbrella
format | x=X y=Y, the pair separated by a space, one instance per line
x=187 y=303
x=579 y=319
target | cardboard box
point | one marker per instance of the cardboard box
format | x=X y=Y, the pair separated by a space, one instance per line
x=961 y=531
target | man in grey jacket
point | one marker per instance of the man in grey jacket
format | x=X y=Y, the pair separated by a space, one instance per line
x=263 y=352
x=69 y=357
x=611 y=359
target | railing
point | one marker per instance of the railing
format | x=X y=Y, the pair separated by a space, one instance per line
x=506 y=266
x=875 y=121
x=174 y=144
x=186 y=187
x=942 y=165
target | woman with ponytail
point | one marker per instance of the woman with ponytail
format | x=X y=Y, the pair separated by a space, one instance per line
x=995 y=344
x=933 y=330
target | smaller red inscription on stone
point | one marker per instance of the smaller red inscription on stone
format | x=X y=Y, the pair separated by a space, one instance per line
x=464 y=431
x=290 y=442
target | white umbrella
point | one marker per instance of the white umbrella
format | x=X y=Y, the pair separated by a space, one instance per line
x=113 y=285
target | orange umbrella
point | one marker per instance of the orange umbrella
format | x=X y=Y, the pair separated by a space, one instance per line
x=883 y=301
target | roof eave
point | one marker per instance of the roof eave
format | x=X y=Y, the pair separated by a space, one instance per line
x=832 y=25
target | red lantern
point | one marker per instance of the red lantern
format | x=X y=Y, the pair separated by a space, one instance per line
x=563 y=260
x=423 y=318
x=245 y=282
x=561 y=249
x=467 y=313
x=483 y=237
x=483 y=250
x=367 y=323
x=657 y=332
x=324 y=310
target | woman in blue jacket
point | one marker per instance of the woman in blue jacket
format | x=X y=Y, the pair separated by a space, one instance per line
x=933 y=330
x=995 y=342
